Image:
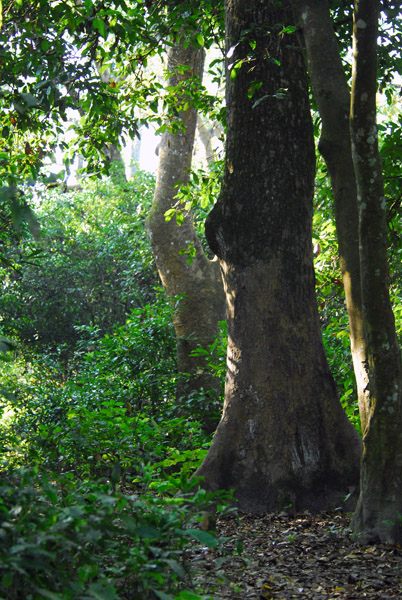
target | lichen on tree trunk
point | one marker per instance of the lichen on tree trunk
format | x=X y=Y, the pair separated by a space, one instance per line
x=283 y=438
x=199 y=284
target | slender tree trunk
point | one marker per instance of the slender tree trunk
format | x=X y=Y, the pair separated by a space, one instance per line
x=332 y=95
x=283 y=438
x=203 y=305
x=206 y=133
x=379 y=509
x=135 y=154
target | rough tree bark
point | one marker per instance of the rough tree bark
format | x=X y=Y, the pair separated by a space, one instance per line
x=379 y=508
x=197 y=316
x=283 y=437
x=332 y=94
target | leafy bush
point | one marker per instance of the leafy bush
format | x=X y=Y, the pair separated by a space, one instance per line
x=92 y=266
x=69 y=540
x=115 y=413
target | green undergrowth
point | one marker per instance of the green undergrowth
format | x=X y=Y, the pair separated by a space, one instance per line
x=97 y=499
x=114 y=411
x=69 y=539
x=97 y=496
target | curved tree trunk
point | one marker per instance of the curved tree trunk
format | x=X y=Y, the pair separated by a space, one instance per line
x=332 y=95
x=203 y=304
x=283 y=438
x=379 y=509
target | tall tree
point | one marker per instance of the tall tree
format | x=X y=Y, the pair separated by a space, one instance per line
x=379 y=509
x=332 y=94
x=283 y=437
x=358 y=167
x=198 y=281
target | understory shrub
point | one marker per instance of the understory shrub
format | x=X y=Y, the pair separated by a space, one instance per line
x=63 y=539
x=91 y=265
x=115 y=413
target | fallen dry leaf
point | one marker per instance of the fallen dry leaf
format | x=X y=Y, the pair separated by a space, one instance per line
x=306 y=557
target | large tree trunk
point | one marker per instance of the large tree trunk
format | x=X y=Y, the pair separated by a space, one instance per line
x=332 y=95
x=379 y=509
x=203 y=304
x=283 y=438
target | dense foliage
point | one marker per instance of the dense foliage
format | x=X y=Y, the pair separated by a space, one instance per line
x=83 y=272
x=95 y=452
x=95 y=449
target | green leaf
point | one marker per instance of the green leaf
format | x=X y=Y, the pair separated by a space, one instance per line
x=200 y=39
x=162 y=595
x=255 y=86
x=7 y=192
x=169 y=214
x=11 y=397
x=204 y=537
x=176 y=567
x=100 y=26
x=148 y=532
x=188 y=595
x=7 y=579
x=29 y=99
x=236 y=67
x=257 y=102
x=288 y=29
x=7 y=345
x=99 y=591
x=49 y=595
x=20 y=213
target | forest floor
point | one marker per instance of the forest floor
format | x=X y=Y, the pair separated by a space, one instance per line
x=299 y=557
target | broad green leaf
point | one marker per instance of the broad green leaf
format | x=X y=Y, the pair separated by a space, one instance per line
x=176 y=567
x=202 y=536
x=188 y=595
x=7 y=345
x=100 y=26
x=7 y=579
x=162 y=595
x=48 y=594
x=236 y=67
x=288 y=29
x=102 y=592
x=169 y=214
x=29 y=99
x=149 y=532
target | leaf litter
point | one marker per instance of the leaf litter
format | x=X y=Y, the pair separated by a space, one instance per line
x=283 y=557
